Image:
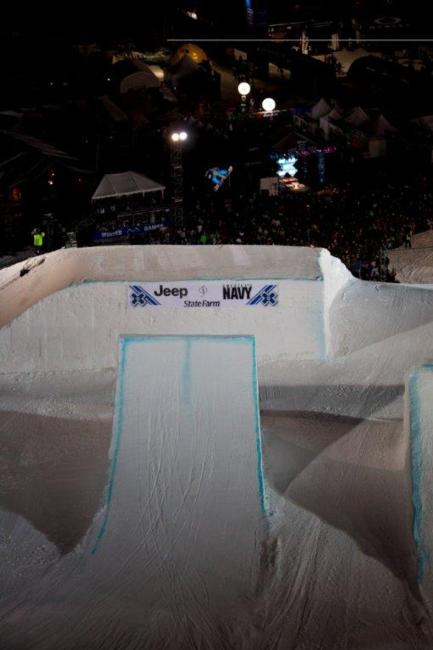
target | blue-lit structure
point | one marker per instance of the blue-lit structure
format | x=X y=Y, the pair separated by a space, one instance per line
x=257 y=13
x=287 y=166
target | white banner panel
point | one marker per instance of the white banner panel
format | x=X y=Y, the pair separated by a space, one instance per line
x=204 y=294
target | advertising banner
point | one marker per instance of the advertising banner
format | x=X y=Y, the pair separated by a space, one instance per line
x=126 y=231
x=204 y=294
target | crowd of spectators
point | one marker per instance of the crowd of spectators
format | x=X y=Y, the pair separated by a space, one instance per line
x=358 y=226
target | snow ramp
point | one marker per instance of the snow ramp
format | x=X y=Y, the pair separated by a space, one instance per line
x=185 y=491
x=187 y=418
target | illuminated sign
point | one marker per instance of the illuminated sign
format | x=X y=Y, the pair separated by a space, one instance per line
x=287 y=166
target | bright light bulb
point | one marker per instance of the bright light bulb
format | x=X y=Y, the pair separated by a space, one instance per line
x=175 y=137
x=183 y=135
x=244 y=88
x=268 y=104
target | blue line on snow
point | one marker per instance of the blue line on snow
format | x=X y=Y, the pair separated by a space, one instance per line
x=117 y=432
x=231 y=338
x=416 y=452
x=259 y=447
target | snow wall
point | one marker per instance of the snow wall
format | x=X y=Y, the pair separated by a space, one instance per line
x=52 y=302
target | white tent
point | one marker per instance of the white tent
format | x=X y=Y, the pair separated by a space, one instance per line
x=328 y=122
x=320 y=109
x=125 y=184
x=357 y=117
x=158 y=72
x=382 y=126
x=139 y=80
x=335 y=115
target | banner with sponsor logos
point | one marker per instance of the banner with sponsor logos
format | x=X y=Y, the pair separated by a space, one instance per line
x=126 y=231
x=204 y=294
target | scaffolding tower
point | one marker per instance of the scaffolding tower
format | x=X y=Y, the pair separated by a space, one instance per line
x=176 y=159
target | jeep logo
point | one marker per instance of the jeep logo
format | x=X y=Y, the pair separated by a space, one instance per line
x=180 y=293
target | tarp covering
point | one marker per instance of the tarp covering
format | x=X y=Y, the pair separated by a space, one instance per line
x=124 y=184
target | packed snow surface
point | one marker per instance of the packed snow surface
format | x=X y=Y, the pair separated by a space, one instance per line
x=244 y=465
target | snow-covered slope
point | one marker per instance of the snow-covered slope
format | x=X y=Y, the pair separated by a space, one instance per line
x=414 y=265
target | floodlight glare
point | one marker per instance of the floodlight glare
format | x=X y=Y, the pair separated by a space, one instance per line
x=183 y=135
x=244 y=88
x=268 y=104
x=175 y=137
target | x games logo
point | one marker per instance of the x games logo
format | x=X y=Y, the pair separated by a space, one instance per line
x=140 y=297
x=266 y=296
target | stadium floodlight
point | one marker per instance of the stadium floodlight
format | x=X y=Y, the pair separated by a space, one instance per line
x=179 y=136
x=244 y=88
x=268 y=104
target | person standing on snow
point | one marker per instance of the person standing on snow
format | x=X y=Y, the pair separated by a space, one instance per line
x=38 y=240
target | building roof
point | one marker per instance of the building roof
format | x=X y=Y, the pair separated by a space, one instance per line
x=44 y=148
x=125 y=184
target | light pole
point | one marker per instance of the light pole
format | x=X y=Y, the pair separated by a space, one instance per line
x=177 y=139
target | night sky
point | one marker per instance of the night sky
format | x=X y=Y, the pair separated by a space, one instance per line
x=153 y=22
